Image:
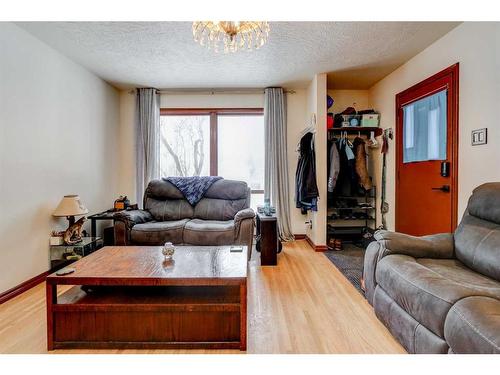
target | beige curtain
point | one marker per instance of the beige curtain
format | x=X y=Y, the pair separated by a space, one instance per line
x=276 y=162
x=147 y=139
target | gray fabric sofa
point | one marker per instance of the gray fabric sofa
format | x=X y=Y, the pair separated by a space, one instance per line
x=441 y=293
x=221 y=217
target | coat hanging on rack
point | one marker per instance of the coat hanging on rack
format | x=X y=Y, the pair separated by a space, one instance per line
x=306 y=189
x=333 y=165
x=359 y=150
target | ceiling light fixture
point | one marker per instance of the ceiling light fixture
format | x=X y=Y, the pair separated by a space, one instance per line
x=231 y=36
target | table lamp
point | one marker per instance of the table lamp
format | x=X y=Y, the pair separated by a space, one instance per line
x=70 y=206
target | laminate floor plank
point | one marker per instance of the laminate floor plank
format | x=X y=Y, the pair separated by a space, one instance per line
x=303 y=305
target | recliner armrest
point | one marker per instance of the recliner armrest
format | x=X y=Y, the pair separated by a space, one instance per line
x=132 y=217
x=432 y=246
x=246 y=213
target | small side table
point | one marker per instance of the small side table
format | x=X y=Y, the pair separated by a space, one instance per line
x=62 y=255
x=268 y=242
x=105 y=215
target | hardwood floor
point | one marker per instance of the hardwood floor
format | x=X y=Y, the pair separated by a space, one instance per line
x=304 y=305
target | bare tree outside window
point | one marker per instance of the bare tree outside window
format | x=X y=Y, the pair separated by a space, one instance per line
x=185 y=146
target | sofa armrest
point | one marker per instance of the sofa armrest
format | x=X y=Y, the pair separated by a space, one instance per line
x=132 y=217
x=246 y=213
x=432 y=246
x=369 y=268
x=244 y=224
x=387 y=243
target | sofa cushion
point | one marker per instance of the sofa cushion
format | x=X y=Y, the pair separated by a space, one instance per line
x=170 y=209
x=228 y=190
x=473 y=326
x=427 y=288
x=477 y=238
x=157 y=233
x=218 y=209
x=484 y=202
x=209 y=232
x=221 y=201
x=477 y=245
x=414 y=337
x=222 y=189
x=162 y=189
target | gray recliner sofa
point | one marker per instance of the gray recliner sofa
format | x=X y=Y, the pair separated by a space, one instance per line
x=441 y=293
x=222 y=217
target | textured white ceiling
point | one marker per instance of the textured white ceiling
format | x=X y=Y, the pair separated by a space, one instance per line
x=164 y=55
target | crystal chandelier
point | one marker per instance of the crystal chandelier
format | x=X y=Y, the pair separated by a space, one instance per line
x=231 y=36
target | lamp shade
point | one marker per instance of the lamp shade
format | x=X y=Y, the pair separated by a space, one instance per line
x=70 y=205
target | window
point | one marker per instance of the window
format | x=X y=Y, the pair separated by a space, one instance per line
x=224 y=142
x=424 y=129
x=185 y=145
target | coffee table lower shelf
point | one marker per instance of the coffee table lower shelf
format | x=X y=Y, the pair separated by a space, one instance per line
x=148 y=317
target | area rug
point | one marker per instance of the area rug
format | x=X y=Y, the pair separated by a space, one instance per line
x=349 y=261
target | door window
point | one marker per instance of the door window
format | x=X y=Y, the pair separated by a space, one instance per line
x=424 y=129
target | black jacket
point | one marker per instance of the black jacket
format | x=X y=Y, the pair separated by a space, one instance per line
x=306 y=189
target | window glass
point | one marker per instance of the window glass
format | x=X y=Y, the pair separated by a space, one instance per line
x=185 y=145
x=424 y=129
x=240 y=149
x=256 y=199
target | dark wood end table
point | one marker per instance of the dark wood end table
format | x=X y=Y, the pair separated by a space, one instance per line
x=268 y=244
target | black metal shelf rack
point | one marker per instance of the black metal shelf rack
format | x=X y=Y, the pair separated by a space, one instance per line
x=352 y=222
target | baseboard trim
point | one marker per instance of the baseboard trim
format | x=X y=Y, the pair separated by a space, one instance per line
x=23 y=287
x=299 y=236
x=318 y=248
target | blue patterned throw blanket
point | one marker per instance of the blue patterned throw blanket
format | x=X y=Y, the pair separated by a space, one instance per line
x=193 y=188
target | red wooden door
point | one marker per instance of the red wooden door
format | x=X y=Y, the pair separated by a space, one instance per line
x=426 y=142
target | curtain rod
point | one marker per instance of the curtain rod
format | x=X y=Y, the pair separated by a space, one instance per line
x=213 y=92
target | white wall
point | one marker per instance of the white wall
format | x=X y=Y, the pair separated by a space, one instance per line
x=316 y=105
x=296 y=118
x=243 y=100
x=127 y=171
x=58 y=135
x=359 y=99
x=476 y=46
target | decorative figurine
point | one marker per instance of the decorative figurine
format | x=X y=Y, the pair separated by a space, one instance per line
x=73 y=234
x=168 y=250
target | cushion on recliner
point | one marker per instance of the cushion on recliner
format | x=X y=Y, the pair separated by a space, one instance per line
x=473 y=326
x=209 y=232
x=170 y=209
x=228 y=189
x=218 y=209
x=162 y=189
x=156 y=233
x=427 y=288
x=410 y=333
x=478 y=235
x=221 y=201
x=477 y=245
x=484 y=200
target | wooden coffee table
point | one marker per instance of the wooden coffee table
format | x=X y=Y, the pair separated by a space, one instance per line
x=136 y=300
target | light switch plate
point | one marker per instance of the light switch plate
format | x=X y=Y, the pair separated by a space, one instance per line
x=479 y=137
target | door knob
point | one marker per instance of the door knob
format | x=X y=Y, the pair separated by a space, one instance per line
x=444 y=188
